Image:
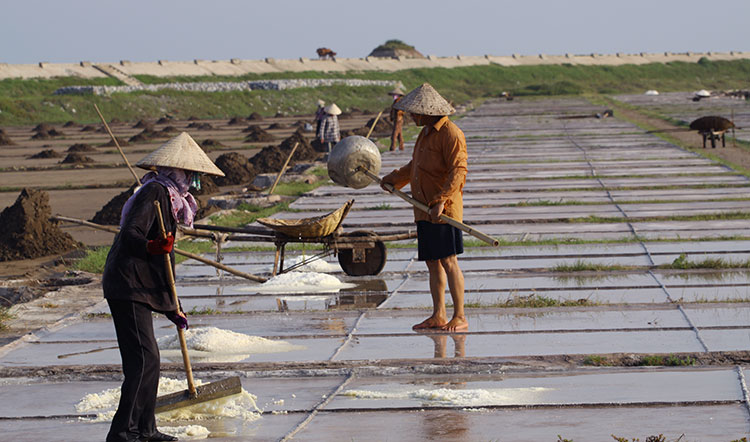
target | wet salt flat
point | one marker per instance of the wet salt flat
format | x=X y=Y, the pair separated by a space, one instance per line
x=602 y=196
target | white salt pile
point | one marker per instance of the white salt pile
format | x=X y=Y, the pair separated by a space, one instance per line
x=300 y=282
x=212 y=344
x=240 y=405
x=187 y=432
x=445 y=396
x=319 y=265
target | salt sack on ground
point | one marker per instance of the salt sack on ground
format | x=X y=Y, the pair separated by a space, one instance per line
x=300 y=282
x=241 y=405
x=446 y=396
x=211 y=344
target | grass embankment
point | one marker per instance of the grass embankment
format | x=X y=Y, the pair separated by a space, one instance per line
x=31 y=101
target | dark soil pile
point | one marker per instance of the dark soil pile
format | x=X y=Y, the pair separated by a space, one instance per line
x=46 y=153
x=88 y=128
x=143 y=124
x=271 y=158
x=236 y=120
x=711 y=123
x=395 y=48
x=278 y=126
x=210 y=144
x=71 y=123
x=145 y=136
x=120 y=141
x=280 y=114
x=208 y=186
x=193 y=118
x=200 y=126
x=168 y=131
x=110 y=214
x=43 y=127
x=27 y=231
x=42 y=134
x=115 y=121
x=81 y=147
x=5 y=139
x=236 y=167
x=255 y=117
x=76 y=158
x=256 y=134
x=384 y=127
x=163 y=120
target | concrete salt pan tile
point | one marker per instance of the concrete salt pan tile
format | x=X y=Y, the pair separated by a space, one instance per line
x=425 y=346
x=710 y=294
x=603 y=388
x=706 y=278
x=698 y=257
x=384 y=321
x=587 y=425
x=697 y=247
x=719 y=316
x=726 y=340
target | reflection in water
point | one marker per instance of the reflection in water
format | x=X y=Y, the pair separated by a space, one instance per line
x=586 y=279
x=441 y=340
x=445 y=425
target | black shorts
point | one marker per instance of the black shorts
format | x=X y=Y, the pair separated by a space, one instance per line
x=437 y=241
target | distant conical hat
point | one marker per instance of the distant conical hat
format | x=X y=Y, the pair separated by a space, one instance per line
x=424 y=100
x=181 y=152
x=332 y=109
x=321 y=103
x=396 y=91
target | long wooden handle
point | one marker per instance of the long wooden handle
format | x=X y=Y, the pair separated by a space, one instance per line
x=127 y=163
x=180 y=332
x=423 y=207
x=176 y=250
x=373 y=124
x=283 y=168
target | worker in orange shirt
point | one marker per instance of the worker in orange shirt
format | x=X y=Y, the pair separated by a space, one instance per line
x=397 y=118
x=437 y=174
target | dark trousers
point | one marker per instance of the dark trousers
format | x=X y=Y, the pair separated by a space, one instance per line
x=140 y=365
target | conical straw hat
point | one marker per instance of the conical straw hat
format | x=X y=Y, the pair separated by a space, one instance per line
x=396 y=91
x=425 y=100
x=332 y=109
x=321 y=103
x=181 y=152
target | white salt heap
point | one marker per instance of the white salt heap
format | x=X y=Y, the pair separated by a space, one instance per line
x=319 y=265
x=465 y=398
x=240 y=405
x=300 y=282
x=211 y=344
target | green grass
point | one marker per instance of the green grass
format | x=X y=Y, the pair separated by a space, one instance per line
x=583 y=266
x=94 y=260
x=596 y=360
x=31 y=101
x=682 y=263
x=381 y=206
x=531 y=301
x=668 y=361
x=5 y=316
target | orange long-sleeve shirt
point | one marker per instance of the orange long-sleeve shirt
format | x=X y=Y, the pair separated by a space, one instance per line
x=437 y=170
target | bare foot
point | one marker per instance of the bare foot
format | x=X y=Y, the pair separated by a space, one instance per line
x=431 y=322
x=456 y=325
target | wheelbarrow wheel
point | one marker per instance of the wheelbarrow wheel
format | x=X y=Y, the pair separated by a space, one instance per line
x=371 y=262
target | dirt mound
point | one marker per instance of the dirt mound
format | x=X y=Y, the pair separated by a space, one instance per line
x=208 y=186
x=27 y=231
x=143 y=124
x=46 y=153
x=110 y=214
x=46 y=134
x=5 y=139
x=210 y=144
x=256 y=133
x=236 y=167
x=43 y=127
x=200 y=126
x=71 y=123
x=236 y=120
x=76 y=158
x=163 y=120
x=255 y=117
x=120 y=141
x=88 y=128
x=193 y=118
x=271 y=158
x=384 y=127
x=278 y=126
x=169 y=130
x=395 y=48
x=115 y=121
x=81 y=147
x=147 y=135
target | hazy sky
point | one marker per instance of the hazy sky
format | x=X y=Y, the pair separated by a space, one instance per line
x=149 y=30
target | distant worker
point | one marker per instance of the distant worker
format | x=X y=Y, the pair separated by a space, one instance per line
x=329 y=133
x=319 y=115
x=135 y=281
x=437 y=174
x=397 y=118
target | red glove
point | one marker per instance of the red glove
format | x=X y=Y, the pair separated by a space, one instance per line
x=160 y=246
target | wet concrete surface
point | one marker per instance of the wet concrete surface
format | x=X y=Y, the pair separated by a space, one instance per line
x=533 y=177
